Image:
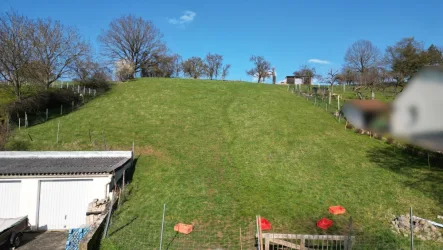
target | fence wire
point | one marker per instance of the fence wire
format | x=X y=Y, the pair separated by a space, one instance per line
x=24 y=120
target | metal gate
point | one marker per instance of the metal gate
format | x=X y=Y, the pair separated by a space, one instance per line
x=9 y=199
x=63 y=203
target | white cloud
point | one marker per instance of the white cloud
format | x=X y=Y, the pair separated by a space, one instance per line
x=318 y=61
x=187 y=17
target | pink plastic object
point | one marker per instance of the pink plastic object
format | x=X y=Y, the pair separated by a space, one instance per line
x=337 y=210
x=183 y=228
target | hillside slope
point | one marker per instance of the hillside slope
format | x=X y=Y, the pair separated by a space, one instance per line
x=218 y=153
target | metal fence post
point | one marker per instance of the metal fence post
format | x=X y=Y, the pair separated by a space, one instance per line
x=163 y=226
x=412 y=229
x=58 y=130
x=349 y=243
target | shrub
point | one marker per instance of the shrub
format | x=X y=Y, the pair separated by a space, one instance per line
x=17 y=145
x=52 y=98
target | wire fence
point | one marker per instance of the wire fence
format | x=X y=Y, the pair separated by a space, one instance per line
x=247 y=236
x=24 y=120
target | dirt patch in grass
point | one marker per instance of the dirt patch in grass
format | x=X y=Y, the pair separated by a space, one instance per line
x=149 y=150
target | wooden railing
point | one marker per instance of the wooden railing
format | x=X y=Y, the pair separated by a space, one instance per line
x=305 y=242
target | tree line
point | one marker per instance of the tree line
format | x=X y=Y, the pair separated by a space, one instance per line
x=136 y=47
x=367 y=67
x=43 y=51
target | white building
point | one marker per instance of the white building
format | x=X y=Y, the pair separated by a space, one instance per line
x=417 y=111
x=415 y=115
x=54 y=188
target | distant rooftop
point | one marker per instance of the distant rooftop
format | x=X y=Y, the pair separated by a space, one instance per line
x=370 y=105
x=61 y=162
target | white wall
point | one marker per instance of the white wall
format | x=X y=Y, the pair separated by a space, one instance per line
x=353 y=115
x=426 y=98
x=30 y=192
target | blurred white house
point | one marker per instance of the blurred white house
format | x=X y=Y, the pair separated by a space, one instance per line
x=415 y=115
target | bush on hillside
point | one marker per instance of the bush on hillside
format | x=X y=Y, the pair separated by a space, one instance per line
x=3 y=135
x=95 y=83
x=41 y=101
x=99 y=80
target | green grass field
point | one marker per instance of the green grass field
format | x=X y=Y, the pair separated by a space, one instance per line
x=348 y=92
x=219 y=153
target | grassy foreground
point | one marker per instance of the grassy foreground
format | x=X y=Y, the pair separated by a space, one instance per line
x=218 y=153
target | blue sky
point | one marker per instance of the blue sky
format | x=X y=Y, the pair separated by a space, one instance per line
x=287 y=33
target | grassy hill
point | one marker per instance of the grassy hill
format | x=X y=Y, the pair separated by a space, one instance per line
x=219 y=153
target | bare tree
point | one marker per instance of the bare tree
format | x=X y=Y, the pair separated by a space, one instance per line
x=161 y=66
x=177 y=65
x=15 y=49
x=194 y=67
x=134 y=39
x=274 y=75
x=83 y=68
x=261 y=68
x=86 y=69
x=362 y=55
x=331 y=78
x=306 y=73
x=214 y=64
x=225 y=71
x=347 y=76
x=56 y=49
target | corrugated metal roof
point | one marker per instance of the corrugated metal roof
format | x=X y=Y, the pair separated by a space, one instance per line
x=59 y=166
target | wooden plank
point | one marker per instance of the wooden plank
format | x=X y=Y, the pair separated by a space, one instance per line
x=285 y=243
x=305 y=236
x=267 y=241
x=302 y=243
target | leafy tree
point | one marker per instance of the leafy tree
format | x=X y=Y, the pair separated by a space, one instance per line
x=405 y=58
x=194 y=67
x=261 y=68
x=133 y=39
x=434 y=56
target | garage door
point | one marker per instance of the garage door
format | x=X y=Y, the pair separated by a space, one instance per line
x=63 y=204
x=9 y=199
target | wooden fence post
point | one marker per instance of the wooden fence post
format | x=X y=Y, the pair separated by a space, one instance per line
x=58 y=130
x=338 y=102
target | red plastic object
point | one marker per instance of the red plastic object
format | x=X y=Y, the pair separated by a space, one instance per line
x=265 y=224
x=337 y=210
x=183 y=228
x=324 y=223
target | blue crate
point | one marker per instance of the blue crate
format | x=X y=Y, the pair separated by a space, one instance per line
x=75 y=235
